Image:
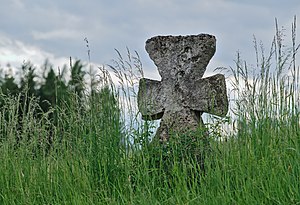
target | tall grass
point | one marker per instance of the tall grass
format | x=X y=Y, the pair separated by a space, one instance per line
x=270 y=89
x=89 y=162
x=265 y=146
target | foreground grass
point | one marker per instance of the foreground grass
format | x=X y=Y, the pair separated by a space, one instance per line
x=89 y=160
x=262 y=168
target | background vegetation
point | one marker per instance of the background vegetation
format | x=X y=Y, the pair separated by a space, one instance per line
x=60 y=144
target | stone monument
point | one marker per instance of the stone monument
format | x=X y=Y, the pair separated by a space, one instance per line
x=182 y=95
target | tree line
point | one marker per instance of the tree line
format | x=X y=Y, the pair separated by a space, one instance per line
x=54 y=97
x=50 y=89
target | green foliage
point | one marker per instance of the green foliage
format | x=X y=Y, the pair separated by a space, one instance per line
x=77 y=82
x=9 y=86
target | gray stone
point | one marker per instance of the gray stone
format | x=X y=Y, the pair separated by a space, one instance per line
x=182 y=95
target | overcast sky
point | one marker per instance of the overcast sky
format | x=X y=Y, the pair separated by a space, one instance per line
x=33 y=30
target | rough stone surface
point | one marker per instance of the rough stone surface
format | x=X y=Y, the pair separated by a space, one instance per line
x=182 y=95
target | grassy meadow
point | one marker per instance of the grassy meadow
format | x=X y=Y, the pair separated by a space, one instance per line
x=99 y=152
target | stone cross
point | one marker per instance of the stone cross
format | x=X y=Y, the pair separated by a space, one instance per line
x=182 y=95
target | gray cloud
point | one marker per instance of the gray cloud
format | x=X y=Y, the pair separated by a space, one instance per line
x=59 y=27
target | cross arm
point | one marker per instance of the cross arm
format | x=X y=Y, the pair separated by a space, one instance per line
x=208 y=95
x=150 y=99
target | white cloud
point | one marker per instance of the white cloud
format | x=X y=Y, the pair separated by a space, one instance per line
x=15 y=52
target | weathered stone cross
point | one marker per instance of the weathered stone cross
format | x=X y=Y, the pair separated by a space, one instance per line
x=182 y=95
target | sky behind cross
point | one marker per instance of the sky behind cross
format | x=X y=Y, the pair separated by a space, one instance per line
x=34 y=30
